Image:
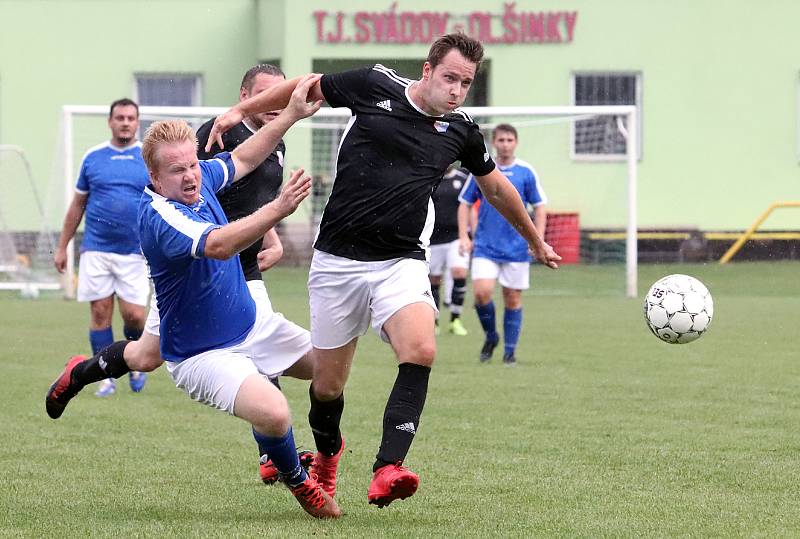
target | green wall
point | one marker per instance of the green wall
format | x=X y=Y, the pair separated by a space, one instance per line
x=720 y=84
x=86 y=52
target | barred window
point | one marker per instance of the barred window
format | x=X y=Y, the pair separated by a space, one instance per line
x=600 y=138
x=167 y=89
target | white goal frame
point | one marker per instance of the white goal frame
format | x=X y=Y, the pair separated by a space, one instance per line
x=628 y=128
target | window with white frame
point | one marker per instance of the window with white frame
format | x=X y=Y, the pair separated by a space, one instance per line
x=168 y=89
x=600 y=138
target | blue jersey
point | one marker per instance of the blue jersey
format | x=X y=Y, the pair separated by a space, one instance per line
x=204 y=303
x=495 y=238
x=113 y=178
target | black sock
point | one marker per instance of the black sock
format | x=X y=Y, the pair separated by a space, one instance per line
x=324 y=418
x=459 y=290
x=131 y=333
x=107 y=363
x=401 y=418
x=435 y=292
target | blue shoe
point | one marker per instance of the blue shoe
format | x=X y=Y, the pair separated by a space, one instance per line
x=107 y=388
x=137 y=380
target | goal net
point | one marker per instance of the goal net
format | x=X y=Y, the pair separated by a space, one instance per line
x=586 y=159
x=26 y=240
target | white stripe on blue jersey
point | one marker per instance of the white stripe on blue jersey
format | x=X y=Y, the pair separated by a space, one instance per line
x=178 y=221
x=539 y=189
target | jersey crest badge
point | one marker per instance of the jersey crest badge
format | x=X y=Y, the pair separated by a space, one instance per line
x=441 y=127
x=385 y=105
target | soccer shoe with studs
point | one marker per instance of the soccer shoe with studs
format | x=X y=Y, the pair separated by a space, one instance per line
x=392 y=482
x=62 y=390
x=457 y=328
x=509 y=360
x=324 y=468
x=314 y=500
x=107 y=388
x=488 y=349
x=269 y=472
x=137 y=380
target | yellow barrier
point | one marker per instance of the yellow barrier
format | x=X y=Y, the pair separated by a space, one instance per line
x=751 y=231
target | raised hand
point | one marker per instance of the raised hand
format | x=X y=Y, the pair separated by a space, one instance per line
x=298 y=106
x=222 y=124
x=293 y=193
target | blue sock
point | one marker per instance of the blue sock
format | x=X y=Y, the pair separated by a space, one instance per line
x=100 y=338
x=283 y=453
x=512 y=324
x=486 y=316
x=132 y=334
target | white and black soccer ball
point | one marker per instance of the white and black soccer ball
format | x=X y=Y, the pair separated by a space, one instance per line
x=678 y=309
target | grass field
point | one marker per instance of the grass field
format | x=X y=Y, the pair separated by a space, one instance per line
x=601 y=430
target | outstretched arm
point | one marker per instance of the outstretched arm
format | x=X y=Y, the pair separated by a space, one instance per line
x=500 y=193
x=274 y=98
x=248 y=155
x=224 y=242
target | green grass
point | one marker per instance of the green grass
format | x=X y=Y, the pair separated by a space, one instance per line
x=601 y=431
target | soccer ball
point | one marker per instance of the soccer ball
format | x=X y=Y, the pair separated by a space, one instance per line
x=678 y=309
x=29 y=291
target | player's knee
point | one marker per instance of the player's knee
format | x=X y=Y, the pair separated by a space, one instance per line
x=482 y=297
x=327 y=390
x=422 y=353
x=273 y=419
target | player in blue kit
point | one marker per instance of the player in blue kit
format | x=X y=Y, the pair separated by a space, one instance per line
x=243 y=198
x=370 y=256
x=217 y=342
x=498 y=251
x=110 y=184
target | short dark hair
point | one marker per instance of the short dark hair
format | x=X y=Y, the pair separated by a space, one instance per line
x=124 y=102
x=506 y=128
x=470 y=48
x=267 y=69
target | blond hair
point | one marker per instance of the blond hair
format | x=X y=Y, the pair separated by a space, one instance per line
x=164 y=132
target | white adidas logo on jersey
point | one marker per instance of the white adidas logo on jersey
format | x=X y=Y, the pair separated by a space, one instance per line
x=385 y=105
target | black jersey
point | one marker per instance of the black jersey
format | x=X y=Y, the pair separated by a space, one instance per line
x=250 y=192
x=391 y=157
x=446 y=203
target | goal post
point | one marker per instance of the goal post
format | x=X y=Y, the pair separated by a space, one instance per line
x=26 y=240
x=578 y=137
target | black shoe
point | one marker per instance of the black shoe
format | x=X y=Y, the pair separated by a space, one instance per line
x=509 y=360
x=488 y=350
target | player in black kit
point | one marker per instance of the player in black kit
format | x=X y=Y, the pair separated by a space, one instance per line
x=369 y=263
x=445 y=255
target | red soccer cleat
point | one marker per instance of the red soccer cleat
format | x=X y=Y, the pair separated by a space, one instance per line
x=269 y=472
x=392 y=482
x=324 y=468
x=314 y=500
x=62 y=390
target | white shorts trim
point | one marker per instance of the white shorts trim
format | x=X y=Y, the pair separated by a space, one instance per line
x=446 y=256
x=101 y=275
x=516 y=275
x=346 y=295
